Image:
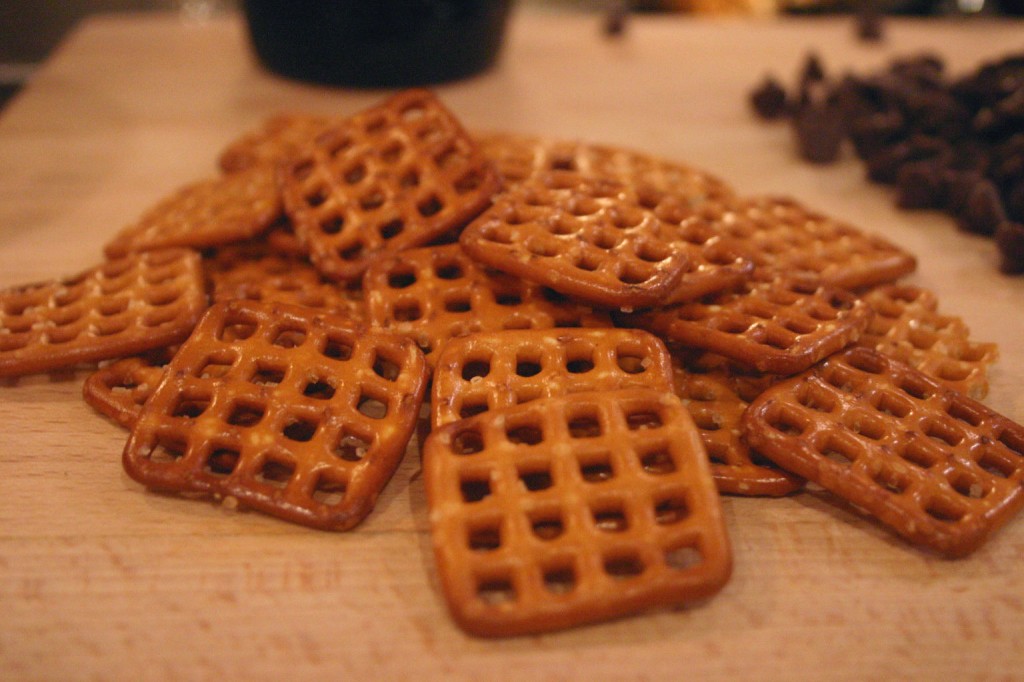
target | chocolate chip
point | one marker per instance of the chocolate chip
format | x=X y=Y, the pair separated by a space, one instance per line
x=920 y=185
x=769 y=99
x=984 y=210
x=1010 y=241
x=819 y=134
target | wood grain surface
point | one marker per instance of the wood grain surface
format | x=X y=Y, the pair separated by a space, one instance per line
x=102 y=580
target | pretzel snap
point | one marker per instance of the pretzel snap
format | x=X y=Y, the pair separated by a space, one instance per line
x=717 y=399
x=483 y=372
x=779 y=326
x=907 y=325
x=937 y=467
x=781 y=234
x=395 y=176
x=119 y=390
x=596 y=240
x=298 y=414
x=434 y=294
x=522 y=158
x=538 y=525
x=255 y=272
x=124 y=307
x=206 y=213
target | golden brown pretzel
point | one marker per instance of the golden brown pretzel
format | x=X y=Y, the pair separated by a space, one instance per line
x=524 y=157
x=277 y=138
x=395 y=176
x=255 y=272
x=937 y=467
x=790 y=238
x=206 y=213
x=482 y=372
x=600 y=241
x=907 y=325
x=119 y=390
x=717 y=397
x=537 y=526
x=298 y=414
x=123 y=307
x=433 y=294
x=779 y=326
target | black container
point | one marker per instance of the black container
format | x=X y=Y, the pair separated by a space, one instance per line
x=377 y=43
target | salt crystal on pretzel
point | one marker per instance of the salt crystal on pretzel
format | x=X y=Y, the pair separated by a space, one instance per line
x=392 y=177
x=298 y=414
x=538 y=526
x=937 y=467
x=124 y=307
x=489 y=371
x=433 y=294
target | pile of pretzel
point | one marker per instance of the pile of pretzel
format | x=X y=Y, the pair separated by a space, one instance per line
x=609 y=341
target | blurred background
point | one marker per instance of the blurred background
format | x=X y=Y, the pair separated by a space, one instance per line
x=31 y=29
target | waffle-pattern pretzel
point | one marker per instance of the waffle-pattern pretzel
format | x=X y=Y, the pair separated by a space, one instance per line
x=119 y=389
x=206 y=213
x=524 y=157
x=780 y=326
x=393 y=177
x=124 y=307
x=297 y=414
x=255 y=273
x=483 y=372
x=277 y=138
x=908 y=326
x=939 y=468
x=433 y=294
x=786 y=236
x=717 y=400
x=599 y=241
x=537 y=526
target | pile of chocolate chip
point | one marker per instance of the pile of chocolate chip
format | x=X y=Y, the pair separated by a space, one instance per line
x=954 y=144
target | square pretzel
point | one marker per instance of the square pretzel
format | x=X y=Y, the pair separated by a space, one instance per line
x=123 y=307
x=489 y=371
x=937 y=467
x=434 y=294
x=392 y=177
x=778 y=326
x=537 y=526
x=298 y=414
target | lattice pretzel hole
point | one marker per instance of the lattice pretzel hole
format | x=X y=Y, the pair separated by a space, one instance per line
x=528 y=365
x=643 y=418
x=190 y=405
x=351 y=251
x=337 y=347
x=275 y=471
x=401 y=278
x=595 y=467
x=658 y=460
x=496 y=590
x=610 y=517
x=288 y=337
x=892 y=480
x=216 y=365
x=560 y=577
x=222 y=460
x=684 y=557
x=670 y=509
x=372 y=406
x=840 y=450
x=267 y=374
x=165 y=448
x=535 y=477
x=319 y=389
x=547 y=524
x=406 y=311
x=329 y=489
x=585 y=425
x=300 y=429
x=967 y=485
x=523 y=432
x=386 y=365
x=889 y=403
x=942 y=509
x=474 y=488
x=484 y=536
x=236 y=328
x=245 y=413
x=631 y=359
x=865 y=424
x=624 y=566
x=943 y=432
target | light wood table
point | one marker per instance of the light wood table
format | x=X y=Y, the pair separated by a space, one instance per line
x=100 y=579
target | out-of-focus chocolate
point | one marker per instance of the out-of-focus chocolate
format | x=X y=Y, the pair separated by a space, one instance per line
x=1010 y=240
x=955 y=144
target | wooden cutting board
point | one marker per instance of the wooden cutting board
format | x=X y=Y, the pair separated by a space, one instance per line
x=100 y=579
